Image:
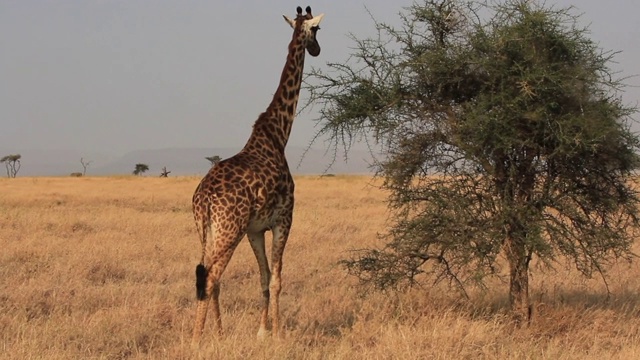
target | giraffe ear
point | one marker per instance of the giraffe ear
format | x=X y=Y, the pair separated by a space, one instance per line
x=315 y=21
x=289 y=21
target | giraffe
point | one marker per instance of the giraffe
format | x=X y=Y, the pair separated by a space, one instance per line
x=252 y=192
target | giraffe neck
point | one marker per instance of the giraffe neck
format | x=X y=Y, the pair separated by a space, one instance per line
x=274 y=125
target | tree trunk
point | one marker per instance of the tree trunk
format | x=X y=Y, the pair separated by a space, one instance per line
x=519 y=280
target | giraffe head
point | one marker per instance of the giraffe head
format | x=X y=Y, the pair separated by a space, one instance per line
x=305 y=27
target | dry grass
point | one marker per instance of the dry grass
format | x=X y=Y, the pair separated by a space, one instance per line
x=104 y=268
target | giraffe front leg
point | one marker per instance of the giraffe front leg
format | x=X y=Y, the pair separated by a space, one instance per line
x=280 y=236
x=257 y=244
x=274 y=289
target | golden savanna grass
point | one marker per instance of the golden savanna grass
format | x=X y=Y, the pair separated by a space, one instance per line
x=104 y=268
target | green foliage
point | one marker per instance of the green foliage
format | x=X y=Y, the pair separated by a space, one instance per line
x=140 y=169
x=503 y=131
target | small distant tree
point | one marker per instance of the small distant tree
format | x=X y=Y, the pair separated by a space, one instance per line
x=140 y=169
x=85 y=165
x=164 y=172
x=12 y=164
x=213 y=159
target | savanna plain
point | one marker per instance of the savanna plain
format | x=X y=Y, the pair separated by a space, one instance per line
x=103 y=268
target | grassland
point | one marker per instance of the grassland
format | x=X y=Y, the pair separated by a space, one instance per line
x=103 y=268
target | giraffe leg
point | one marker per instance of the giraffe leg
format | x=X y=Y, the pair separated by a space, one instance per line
x=215 y=288
x=257 y=244
x=280 y=236
x=202 y=304
x=211 y=292
x=218 y=262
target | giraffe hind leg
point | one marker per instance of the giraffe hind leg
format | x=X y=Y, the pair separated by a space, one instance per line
x=216 y=261
x=201 y=284
x=201 y=316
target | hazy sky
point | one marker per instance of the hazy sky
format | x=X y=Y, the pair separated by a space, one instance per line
x=115 y=76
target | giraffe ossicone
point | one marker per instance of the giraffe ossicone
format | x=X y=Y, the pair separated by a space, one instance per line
x=252 y=192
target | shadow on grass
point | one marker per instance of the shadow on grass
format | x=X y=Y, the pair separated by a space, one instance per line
x=563 y=312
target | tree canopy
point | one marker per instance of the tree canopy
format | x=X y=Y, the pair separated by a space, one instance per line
x=503 y=133
x=140 y=169
x=12 y=164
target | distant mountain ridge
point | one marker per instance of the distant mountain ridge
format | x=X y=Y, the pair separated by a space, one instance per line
x=181 y=161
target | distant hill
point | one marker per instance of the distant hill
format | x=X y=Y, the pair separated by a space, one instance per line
x=181 y=161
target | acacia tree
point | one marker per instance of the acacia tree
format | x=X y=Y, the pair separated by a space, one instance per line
x=12 y=164
x=215 y=159
x=504 y=136
x=140 y=169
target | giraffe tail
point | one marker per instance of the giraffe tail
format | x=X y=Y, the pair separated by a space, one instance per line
x=203 y=223
x=201 y=270
x=201 y=281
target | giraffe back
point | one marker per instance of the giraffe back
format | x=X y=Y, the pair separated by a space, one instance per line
x=247 y=191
